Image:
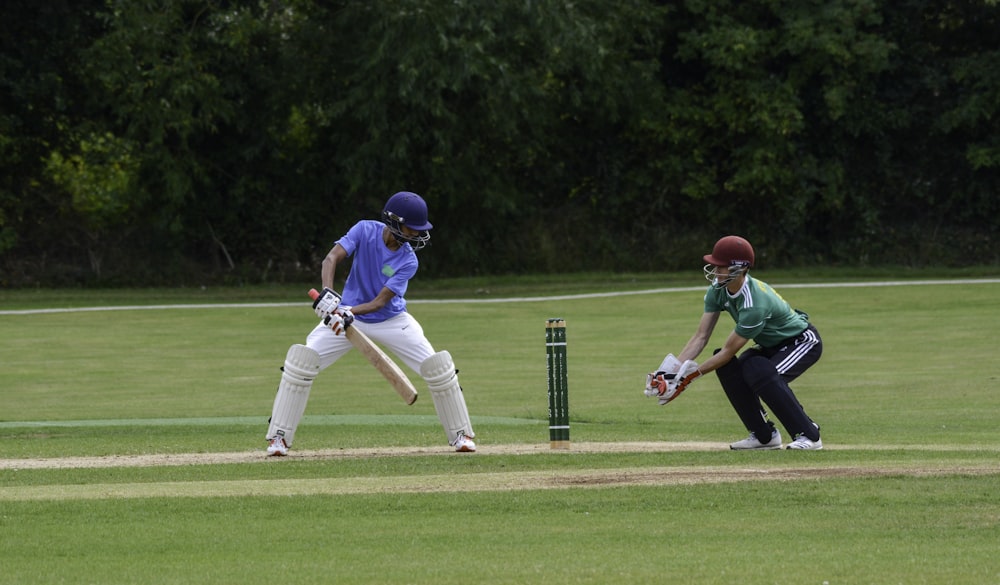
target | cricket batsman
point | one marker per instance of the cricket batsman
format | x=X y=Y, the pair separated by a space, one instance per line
x=384 y=260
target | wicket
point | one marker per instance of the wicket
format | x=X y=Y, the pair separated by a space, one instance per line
x=555 y=353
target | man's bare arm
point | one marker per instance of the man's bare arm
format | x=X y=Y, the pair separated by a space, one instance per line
x=700 y=339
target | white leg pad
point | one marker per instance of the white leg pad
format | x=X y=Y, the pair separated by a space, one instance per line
x=449 y=402
x=301 y=368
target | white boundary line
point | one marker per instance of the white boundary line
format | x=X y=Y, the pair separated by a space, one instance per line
x=500 y=300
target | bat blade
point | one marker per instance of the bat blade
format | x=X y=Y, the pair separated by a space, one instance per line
x=382 y=362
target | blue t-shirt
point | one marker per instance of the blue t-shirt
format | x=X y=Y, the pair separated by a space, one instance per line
x=376 y=266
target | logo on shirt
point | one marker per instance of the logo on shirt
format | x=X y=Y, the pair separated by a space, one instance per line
x=388 y=270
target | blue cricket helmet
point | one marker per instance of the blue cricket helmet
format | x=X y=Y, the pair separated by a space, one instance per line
x=409 y=209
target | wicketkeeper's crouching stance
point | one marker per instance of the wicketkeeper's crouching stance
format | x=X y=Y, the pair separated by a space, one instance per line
x=786 y=345
x=384 y=261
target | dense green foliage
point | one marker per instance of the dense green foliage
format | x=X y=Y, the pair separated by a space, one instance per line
x=192 y=141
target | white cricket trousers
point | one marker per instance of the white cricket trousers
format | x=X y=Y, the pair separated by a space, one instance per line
x=402 y=335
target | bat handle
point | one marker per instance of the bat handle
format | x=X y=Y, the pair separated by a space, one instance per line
x=313 y=294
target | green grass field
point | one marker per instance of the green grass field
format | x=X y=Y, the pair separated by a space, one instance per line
x=134 y=444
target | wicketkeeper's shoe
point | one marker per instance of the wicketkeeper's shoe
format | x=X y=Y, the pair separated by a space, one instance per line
x=465 y=445
x=752 y=442
x=804 y=442
x=277 y=447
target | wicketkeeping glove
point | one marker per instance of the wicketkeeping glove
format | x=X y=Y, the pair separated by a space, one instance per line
x=326 y=303
x=669 y=386
x=687 y=373
x=656 y=382
x=340 y=320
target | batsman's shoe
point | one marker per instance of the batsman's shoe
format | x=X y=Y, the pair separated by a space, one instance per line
x=277 y=447
x=465 y=445
x=752 y=442
x=804 y=442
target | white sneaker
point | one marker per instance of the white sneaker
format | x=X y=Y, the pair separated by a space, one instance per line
x=277 y=447
x=804 y=442
x=465 y=444
x=752 y=442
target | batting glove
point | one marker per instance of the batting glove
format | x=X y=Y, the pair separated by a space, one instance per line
x=326 y=303
x=340 y=320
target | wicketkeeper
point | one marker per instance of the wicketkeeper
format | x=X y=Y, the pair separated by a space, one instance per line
x=384 y=261
x=786 y=346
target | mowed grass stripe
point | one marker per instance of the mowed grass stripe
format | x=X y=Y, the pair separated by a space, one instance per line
x=477 y=482
x=309 y=419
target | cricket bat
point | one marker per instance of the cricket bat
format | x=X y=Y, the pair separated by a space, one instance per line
x=378 y=358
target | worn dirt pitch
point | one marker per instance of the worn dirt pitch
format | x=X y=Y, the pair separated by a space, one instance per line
x=257 y=456
x=467 y=482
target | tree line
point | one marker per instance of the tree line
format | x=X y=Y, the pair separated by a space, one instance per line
x=182 y=142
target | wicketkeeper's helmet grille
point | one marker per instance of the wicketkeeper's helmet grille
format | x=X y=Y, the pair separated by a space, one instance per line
x=732 y=252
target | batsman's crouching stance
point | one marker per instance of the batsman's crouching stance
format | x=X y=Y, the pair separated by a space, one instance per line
x=787 y=345
x=384 y=261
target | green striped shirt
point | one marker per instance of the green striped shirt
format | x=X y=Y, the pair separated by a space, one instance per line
x=760 y=312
